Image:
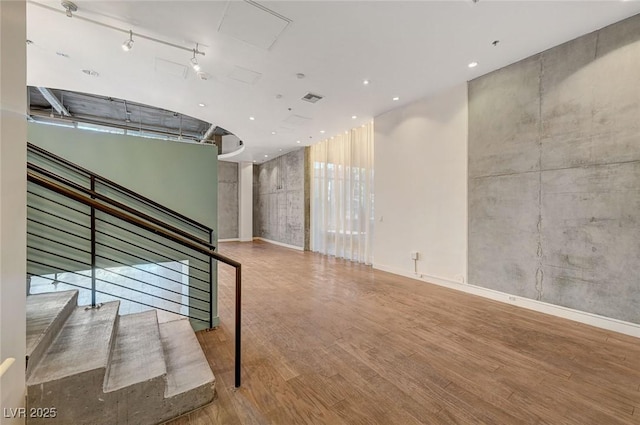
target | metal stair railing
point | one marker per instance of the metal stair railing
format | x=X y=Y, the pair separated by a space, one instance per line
x=86 y=236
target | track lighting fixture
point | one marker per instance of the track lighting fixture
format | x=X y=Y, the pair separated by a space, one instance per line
x=70 y=7
x=194 y=61
x=128 y=44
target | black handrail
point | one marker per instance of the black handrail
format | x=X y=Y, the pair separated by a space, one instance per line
x=94 y=204
x=119 y=187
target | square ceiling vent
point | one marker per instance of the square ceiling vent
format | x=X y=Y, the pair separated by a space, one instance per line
x=253 y=23
x=311 y=98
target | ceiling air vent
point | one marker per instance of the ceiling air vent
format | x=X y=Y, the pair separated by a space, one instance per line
x=312 y=98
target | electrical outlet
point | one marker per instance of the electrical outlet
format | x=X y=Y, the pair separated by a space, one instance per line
x=512 y=299
x=415 y=255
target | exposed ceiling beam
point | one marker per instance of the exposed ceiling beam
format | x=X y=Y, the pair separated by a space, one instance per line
x=54 y=102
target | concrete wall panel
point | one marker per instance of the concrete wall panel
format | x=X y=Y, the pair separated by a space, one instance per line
x=506 y=208
x=591 y=234
x=227 y=200
x=567 y=109
x=279 y=199
x=295 y=213
x=583 y=253
x=506 y=106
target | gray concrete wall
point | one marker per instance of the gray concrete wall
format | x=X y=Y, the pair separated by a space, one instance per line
x=554 y=175
x=278 y=209
x=227 y=200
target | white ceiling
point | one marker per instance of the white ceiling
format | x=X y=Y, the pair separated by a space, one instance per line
x=406 y=49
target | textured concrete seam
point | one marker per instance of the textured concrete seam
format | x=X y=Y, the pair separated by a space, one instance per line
x=515 y=173
x=539 y=251
x=575 y=167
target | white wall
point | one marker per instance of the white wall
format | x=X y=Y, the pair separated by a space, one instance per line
x=13 y=191
x=421 y=205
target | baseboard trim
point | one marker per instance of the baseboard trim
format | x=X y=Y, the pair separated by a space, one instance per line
x=596 y=320
x=297 y=248
x=229 y=240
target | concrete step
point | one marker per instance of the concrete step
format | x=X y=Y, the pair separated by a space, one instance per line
x=137 y=354
x=71 y=374
x=127 y=370
x=46 y=314
x=83 y=345
x=190 y=382
x=136 y=379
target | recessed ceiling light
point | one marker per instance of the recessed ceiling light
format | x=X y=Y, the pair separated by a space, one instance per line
x=365 y=82
x=202 y=105
x=297 y=141
x=280 y=150
x=252 y=118
x=353 y=117
x=396 y=98
x=473 y=64
x=266 y=156
x=322 y=131
x=273 y=132
x=255 y=160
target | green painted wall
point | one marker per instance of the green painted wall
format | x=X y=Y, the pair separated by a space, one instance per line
x=181 y=176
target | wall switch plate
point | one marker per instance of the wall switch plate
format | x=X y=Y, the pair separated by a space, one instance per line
x=415 y=255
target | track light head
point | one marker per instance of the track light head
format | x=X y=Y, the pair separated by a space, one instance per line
x=128 y=44
x=195 y=64
x=70 y=7
x=194 y=61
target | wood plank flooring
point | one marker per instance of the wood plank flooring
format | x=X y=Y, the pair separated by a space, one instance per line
x=327 y=341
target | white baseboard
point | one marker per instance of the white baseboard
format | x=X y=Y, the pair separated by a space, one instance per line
x=598 y=321
x=229 y=240
x=298 y=248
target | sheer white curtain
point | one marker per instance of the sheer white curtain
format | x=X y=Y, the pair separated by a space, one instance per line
x=342 y=195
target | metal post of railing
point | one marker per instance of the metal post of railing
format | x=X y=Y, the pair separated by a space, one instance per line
x=211 y=260
x=238 y=310
x=93 y=246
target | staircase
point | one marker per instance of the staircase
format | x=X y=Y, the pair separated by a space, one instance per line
x=92 y=366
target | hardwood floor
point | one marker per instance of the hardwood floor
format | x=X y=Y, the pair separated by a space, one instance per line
x=331 y=342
